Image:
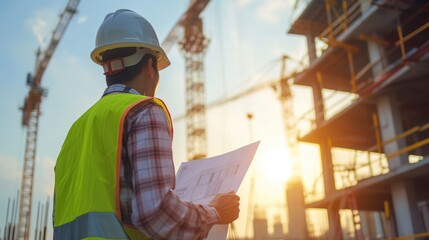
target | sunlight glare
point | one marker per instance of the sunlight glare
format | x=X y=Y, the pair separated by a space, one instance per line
x=275 y=165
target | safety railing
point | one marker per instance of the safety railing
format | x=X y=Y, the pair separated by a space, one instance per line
x=415 y=144
x=343 y=21
x=397 y=53
x=368 y=78
x=375 y=70
x=375 y=73
x=371 y=71
x=358 y=165
x=343 y=17
x=316 y=192
x=333 y=103
x=352 y=166
x=317 y=223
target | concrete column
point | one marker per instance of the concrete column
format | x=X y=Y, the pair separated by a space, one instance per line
x=375 y=50
x=327 y=168
x=311 y=48
x=391 y=126
x=326 y=158
x=318 y=103
x=329 y=184
x=325 y=150
x=405 y=207
x=408 y=221
x=375 y=53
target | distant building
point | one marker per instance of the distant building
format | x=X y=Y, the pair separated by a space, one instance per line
x=278 y=228
x=296 y=210
x=260 y=224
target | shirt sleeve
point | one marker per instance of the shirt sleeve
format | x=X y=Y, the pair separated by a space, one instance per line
x=156 y=210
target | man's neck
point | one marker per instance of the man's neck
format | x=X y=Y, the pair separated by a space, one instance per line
x=141 y=88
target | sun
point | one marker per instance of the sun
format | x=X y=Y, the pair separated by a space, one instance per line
x=275 y=164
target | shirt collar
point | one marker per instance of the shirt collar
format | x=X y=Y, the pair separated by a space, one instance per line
x=119 y=88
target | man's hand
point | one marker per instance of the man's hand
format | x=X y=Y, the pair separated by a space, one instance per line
x=227 y=206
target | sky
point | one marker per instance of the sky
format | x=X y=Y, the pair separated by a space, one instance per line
x=247 y=40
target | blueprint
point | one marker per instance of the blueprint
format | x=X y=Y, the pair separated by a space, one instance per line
x=201 y=180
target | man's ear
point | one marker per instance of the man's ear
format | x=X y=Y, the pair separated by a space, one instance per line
x=148 y=68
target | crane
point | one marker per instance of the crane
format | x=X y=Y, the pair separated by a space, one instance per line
x=282 y=89
x=30 y=119
x=193 y=45
x=285 y=97
x=274 y=84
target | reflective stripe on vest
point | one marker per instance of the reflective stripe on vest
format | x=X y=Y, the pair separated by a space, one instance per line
x=93 y=224
x=87 y=172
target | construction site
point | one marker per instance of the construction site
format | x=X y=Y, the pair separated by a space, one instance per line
x=351 y=114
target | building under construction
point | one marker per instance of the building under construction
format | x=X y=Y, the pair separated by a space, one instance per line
x=368 y=70
x=369 y=74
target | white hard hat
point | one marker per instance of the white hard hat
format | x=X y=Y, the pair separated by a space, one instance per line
x=125 y=28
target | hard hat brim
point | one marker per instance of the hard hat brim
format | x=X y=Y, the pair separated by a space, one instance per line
x=162 y=58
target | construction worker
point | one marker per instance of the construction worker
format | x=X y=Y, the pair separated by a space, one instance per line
x=114 y=176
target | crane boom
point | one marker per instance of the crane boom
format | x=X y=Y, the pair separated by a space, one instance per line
x=251 y=90
x=175 y=33
x=65 y=18
x=30 y=119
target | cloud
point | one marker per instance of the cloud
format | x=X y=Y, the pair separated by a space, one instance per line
x=81 y=19
x=242 y=3
x=10 y=169
x=41 y=24
x=44 y=184
x=44 y=173
x=39 y=30
x=238 y=40
x=269 y=11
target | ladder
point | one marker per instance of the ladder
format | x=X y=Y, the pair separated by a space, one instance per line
x=349 y=202
x=357 y=224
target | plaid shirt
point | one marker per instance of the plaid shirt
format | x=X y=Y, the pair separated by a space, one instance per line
x=148 y=177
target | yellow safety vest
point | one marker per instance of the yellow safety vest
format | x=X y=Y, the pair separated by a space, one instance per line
x=87 y=173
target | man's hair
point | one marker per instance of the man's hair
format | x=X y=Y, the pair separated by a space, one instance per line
x=129 y=72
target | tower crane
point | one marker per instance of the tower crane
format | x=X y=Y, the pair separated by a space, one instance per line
x=193 y=45
x=285 y=97
x=282 y=88
x=30 y=119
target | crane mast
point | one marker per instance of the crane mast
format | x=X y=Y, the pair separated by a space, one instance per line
x=284 y=95
x=30 y=119
x=193 y=46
